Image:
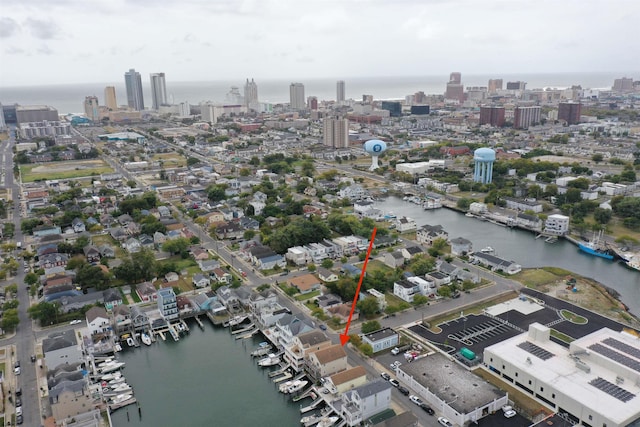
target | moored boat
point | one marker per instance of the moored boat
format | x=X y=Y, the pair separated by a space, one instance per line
x=112 y=366
x=131 y=342
x=296 y=386
x=120 y=398
x=327 y=421
x=270 y=360
x=145 y=338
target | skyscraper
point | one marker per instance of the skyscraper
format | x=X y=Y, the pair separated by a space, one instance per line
x=312 y=103
x=340 y=91
x=569 y=112
x=251 y=95
x=494 y=85
x=110 y=98
x=158 y=90
x=91 y=108
x=455 y=90
x=516 y=85
x=296 y=96
x=336 y=132
x=133 y=83
x=491 y=115
x=523 y=117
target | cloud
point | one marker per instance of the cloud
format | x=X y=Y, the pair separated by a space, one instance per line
x=45 y=30
x=44 y=50
x=14 y=51
x=8 y=27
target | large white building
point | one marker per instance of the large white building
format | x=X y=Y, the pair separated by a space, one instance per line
x=296 y=96
x=158 y=90
x=251 y=95
x=596 y=381
x=557 y=224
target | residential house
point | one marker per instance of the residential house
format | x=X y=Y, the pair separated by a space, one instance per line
x=53 y=260
x=289 y=326
x=405 y=224
x=167 y=304
x=409 y=252
x=326 y=275
x=91 y=253
x=265 y=258
x=495 y=263
x=270 y=314
x=78 y=226
x=221 y=276
x=298 y=255
x=46 y=249
x=381 y=339
x=405 y=290
x=258 y=300
x=328 y=300
x=159 y=239
x=171 y=276
x=393 y=259
x=326 y=361
x=112 y=298
x=365 y=401
x=351 y=270
x=61 y=348
x=69 y=303
x=361 y=207
x=121 y=319
x=302 y=345
x=352 y=192
x=229 y=230
x=342 y=312
x=428 y=233
x=146 y=292
x=461 y=246
x=139 y=318
x=346 y=380
x=531 y=222
x=146 y=241
x=97 y=320
x=199 y=254
x=306 y=283
x=382 y=300
x=438 y=278
x=201 y=281
x=523 y=205
x=208 y=265
x=132 y=245
x=69 y=399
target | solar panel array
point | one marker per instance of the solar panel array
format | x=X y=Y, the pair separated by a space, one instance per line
x=535 y=350
x=624 y=347
x=612 y=389
x=616 y=356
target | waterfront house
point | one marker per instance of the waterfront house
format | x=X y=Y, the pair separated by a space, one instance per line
x=303 y=344
x=91 y=253
x=381 y=339
x=306 y=283
x=393 y=259
x=122 y=319
x=531 y=222
x=326 y=361
x=326 y=275
x=146 y=292
x=346 y=380
x=361 y=207
x=428 y=233
x=495 y=263
x=268 y=315
x=69 y=399
x=257 y=300
x=523 y=205
x=112 y=298
x=557 y=225
x=139 y=318
x=61 y=348
x=461 y=246
x=405 y=224
x=97 y=320
x=365 y=401
x=228 y=298
x=289 y=326
x=167 y=304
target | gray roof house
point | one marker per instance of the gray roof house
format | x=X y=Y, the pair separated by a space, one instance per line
x=365 y=401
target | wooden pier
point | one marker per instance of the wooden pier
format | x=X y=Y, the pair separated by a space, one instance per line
x=114 y=406
x=199 y=322
x=245 y=329
x=286 y=376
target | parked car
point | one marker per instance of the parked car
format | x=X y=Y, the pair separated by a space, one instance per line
x=395 y=351
x=394 y=382
x=403 y=391
x=445 y=422
x=18 y=411
x=510 y=413
x=415 y=399
x=19 y=420
x=75 y=322
x=395 y=365
x=427 y=409
x=323 y=326
x=16 y=368
x=385 y=376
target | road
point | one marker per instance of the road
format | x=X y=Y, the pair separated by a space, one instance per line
x=24 y=337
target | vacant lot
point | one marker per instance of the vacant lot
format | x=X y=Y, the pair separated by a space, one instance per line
x=64 y=170
x=170 y=160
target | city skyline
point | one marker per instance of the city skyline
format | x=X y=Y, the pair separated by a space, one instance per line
x=300 y=40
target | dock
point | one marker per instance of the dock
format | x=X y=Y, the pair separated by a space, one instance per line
x=114 y=406
x=286 y=376
x=248 y=334
x=199 y=322
x=277 y=372
x=248 y=328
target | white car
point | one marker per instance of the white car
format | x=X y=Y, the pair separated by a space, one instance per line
x=75 y=322
x=415 y=399
x=395 y=351
x=510 y=413
x=445 y=422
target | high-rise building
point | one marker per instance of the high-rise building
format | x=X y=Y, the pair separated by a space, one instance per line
x=336 y=132
x=184 y=109
x=3 y=124
x=209 y=112
x=312 y=103
x=91 y=108
x=455 y=90
x=624 y=84
x=110 y=98
x=523 y=117
x=158 y=90
x=516 y=85
x=251 y=95
x=494 y=85
x=296 y=96
x=340 y=91
x=394 y=108
x=133 y=83
x=492 y=115
x=569 y=112
x=367 y=99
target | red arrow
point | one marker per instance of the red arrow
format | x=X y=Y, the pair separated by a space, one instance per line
x=345 y=336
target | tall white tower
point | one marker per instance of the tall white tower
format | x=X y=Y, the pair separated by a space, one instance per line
x=340 y=91
x=158 y=90
x=296 y=96
x=251 y=95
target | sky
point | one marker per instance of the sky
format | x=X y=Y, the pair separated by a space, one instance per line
x=46 y=42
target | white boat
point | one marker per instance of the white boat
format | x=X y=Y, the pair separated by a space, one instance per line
x=146 y=339
x=113 y=366
x=111 y=376
x=117 y=347
x=118 y=380
x=131 y=342
x=122 y=387
x=327 y=421
x=296 y=386
x=121 y=398
x=270 y=360
x=263 y=348
x=104 y=362
x=487 y=250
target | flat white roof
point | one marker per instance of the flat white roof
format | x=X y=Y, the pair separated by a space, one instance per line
x=561 y=372
x=525 y=307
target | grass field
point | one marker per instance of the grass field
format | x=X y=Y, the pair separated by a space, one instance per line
x=170 y=160
x=63 y=170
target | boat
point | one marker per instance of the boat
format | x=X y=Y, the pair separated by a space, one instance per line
x=632 y=262
x=111 y=376
x=122 y=387
x=487 y=250
x=113 y=366
x=131 y=342
x=120 y=398
x=296 y=386
x=115 y=381
x=105 y=362
x=327 y=421
x=270 y=360
x=593 y=247
x=117 y=347
x=263 y=348
x=146 y=339
x=470 y=215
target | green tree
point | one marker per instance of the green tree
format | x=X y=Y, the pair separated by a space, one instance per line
x=602 y=216
x=597 y=157
x=368 y=306
x=10 y=320
x=176 y=246
x=327 y=263
x=192 y=161
x=45 y=312
x=366 y=349
x=31 y=279
x=464 y=203
x=421 y=265
x=444 y=291
x=370 y=326
x=420 y=300
x=311 y=267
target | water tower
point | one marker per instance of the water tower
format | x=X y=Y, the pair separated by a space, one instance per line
x=483 y=159
x=375 y=147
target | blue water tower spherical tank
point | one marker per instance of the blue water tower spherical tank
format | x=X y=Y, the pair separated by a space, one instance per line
x=484 y=154
x=375 y=146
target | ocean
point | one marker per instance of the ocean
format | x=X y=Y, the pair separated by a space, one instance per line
x=69 y=98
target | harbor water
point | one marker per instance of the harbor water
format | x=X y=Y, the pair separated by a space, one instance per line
x=523 y=248
x=206 y=379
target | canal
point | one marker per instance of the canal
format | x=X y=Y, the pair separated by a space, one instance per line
x=206 y=379
x=521 y=247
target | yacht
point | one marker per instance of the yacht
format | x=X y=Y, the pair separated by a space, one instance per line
x=121 y=398
x=146 y=339
x=270 y=360
x=296 y=386
x=105 y=362
x=131 y=342
x=487 y=250
x=118 y=380
x=122 y=387
x=263 y=348
x=327 y=421
x=112 y=366
x=111 y=376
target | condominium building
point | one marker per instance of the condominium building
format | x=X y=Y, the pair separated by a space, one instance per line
x=296 y=96
x=523 y=117
x=336 y=132
x=494 y=85
x=492 y=115
x=569 y=112
x=455 y=90
x=133 y=84
x=158 y=90
x=340 y=91
x=110 y=98
x=91 y=108
x=35 y=113
x=251 y=95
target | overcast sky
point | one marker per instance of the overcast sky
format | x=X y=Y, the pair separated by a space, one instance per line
x=78 y=41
